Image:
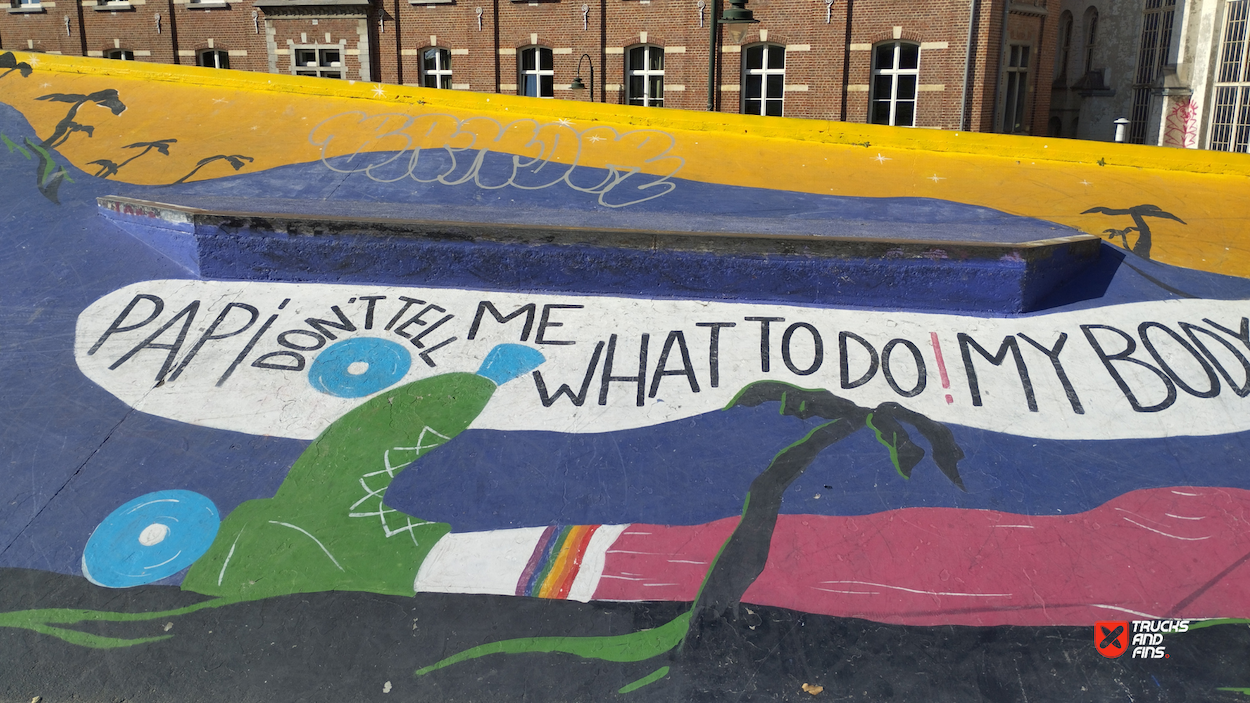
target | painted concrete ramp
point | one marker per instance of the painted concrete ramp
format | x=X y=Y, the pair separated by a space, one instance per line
x=312 y=478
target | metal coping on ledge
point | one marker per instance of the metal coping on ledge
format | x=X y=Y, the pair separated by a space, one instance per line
x=504 y=232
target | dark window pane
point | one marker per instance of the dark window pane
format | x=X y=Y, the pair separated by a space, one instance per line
x=657 y=87
x=773 y=108
x=305 y=57
x=908 y=56
x=544 y=56
x=1024 y=56
x=223 y=59
x=430 y=59
x=881 y=112
x=305 y=73
x=548 y=86
x=906 y=88
x=530 y=86
x=884 y=57
x=882 y=87
x=752 y=87
x=905 y=114
x=635 y=88
x=776 y=85
x=331 y=74
x=657 y=59
x=755 y=58
x=527 y=60
x=430 y=81
x=636 y=60
x=776 y=57
x=752 y=107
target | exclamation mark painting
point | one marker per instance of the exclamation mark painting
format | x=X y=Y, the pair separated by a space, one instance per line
x=941 y=363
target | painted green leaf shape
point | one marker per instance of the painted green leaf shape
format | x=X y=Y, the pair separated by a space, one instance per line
x=13 y=145
x=633 y=647
x=645 y=681
x=42 y=620
x=891 y=444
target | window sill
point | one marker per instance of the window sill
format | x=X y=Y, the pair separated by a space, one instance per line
x=418 y=3
x=220 y=5
x=26 y=9
x=114 y=7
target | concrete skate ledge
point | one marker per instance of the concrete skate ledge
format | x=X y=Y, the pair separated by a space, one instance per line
x=267 y=243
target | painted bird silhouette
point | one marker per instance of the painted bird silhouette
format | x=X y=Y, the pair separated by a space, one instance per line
x=1139 y=213
x=107 y=98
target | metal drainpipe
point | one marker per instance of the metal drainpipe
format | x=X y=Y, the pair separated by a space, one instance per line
x=711 y=55
x=973 y=9
x=998 y=72
x=399 y=52
x=603 y=54
x=496 y=19
x=846 y=57
x=173 y=34
x=82 y=30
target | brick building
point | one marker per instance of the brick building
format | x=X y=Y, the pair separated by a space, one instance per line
x=949 y=64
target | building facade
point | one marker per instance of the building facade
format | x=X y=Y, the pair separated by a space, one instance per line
x=1174 y=72
x=947 y=64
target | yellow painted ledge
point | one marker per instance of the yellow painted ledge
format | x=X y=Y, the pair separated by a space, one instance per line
x=270 y=117
x=804 y=130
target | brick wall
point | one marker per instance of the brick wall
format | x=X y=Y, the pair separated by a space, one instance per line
x=828 y=46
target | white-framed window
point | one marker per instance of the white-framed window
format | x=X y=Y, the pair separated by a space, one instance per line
x=213 y=58
x=537 y=73
x=436 y=67
x=644 y=72
x=895 y=79
x=1016 y=87
x=317 y=61
x=763 y=79
x=1230 y=118
x=120 y=54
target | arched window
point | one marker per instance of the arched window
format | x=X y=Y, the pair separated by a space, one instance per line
x=436 y=67
x=1065 y=48
x=763 y=79
x=213 y=58
x=120 y=54
x=644 y=72
x=895 y=78
x=537 y=73
x=1091 y=38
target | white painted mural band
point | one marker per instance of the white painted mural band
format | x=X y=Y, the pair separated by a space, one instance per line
x=478 y=562
x=245 y=357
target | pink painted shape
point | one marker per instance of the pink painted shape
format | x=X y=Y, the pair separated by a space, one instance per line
x=941 y=363
x=1151 y=553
